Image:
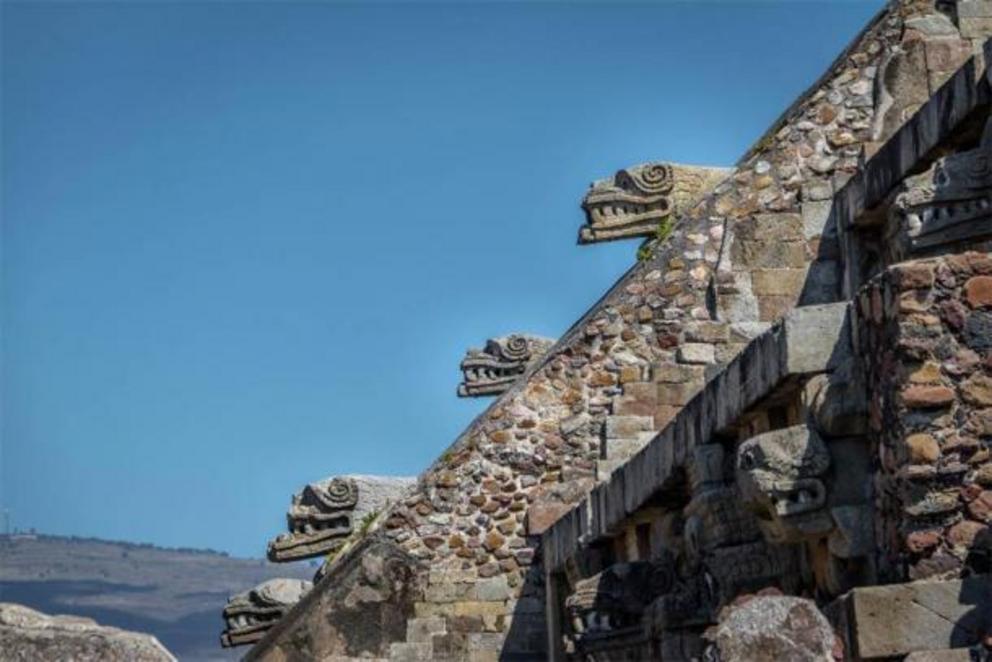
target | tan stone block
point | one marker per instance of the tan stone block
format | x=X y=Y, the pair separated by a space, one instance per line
x=976 y=28
x=778 y=282
x=978 y=390
x=676 y=394
x=947 y=54
x=928 y=373
x=923 y=397
x=922 y=448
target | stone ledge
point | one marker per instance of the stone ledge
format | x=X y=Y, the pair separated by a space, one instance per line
x=881 y=622
x=809 y=340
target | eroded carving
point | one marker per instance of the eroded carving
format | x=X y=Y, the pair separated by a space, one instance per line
x=785 y=477
x=250 y=614
x=949 y=203
x=780 y=476
x=492 y=370
x=637 y=199
x=616 y=598
x=324 y=514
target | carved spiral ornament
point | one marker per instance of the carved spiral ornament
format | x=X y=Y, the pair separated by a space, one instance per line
x=652 y=178
x=516 y=349
x=339 y=494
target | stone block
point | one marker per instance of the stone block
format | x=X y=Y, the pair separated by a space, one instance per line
x=618 y=427
x=815 y=215
x=676 y=394
x=774 y=628
x=410 y=652
x=947 y=54
x=420 y=630
x=696 y=353
x=895 y=620
x=976 y=28
x=974 y=9
x=492 y=589
x=816 y=337
x=778 y=282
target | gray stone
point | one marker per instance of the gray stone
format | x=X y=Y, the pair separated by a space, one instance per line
x=974 y=8
x=978 y=331
x=420 y=630
x=816 y=337
x=324 y=514
x=250 y=614
x=935 y=25
x=26 y=634
x=815 y=215
x=410 y=652
x=623 y=427
x=697 y=353
x=774 y=628
x=894 y=620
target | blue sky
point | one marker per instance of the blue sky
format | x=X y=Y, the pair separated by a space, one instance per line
x=245 y=245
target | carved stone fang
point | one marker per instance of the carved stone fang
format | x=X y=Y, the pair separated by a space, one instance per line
x=493 y=370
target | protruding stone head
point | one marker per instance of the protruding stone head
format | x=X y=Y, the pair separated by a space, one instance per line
x=780 y=476
x=635 y=201
x=324 y=514
x=948 y=204
x=492 y=370
x=250 y=614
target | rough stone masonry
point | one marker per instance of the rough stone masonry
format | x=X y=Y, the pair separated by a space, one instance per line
x=685 y=423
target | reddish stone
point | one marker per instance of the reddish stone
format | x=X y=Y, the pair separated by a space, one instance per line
x=978 y=291
x=927 y=396
x=981 y=507
x=488 y=570
x=499 y=436
x=433 y=542
x=914 y=275
x=963 y=533
x=954 y=314
x=920 y=541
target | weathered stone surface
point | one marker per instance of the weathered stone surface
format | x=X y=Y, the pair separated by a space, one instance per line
x=636 y=200
x=26 y=634
x=325 y=513
x=492 y=370
x=886 y=621
x=250 y=614
x=775 y=628
x=948 y=655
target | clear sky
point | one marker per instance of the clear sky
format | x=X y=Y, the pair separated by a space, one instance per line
x=245 y=245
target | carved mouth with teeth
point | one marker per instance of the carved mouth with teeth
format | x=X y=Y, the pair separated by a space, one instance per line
x=249 y=615
x=319 y=521
x=492 y=370
x=632 y=204
x=938 y=221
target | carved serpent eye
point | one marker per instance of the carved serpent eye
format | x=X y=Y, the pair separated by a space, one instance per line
x=748 y=459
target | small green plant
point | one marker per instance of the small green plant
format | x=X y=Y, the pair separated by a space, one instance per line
x=367 y=522
x=661 y=233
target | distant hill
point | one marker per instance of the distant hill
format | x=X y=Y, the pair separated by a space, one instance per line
x=175 y=594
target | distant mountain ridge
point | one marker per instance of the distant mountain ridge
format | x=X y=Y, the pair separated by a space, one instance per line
x=176 y=594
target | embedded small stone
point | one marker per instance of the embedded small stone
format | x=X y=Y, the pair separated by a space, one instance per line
x=923 y=449
x=494 y=540
x=488 y=570
x=977 y=390
x=923 y=397
x=928 y=373
x=983 y=476
x=978 y=291
x=914 y=276
x=981 y=507
x=920 y=541
x=963 y=533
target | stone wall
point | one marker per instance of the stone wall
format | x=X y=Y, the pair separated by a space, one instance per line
x=926 y=337
x=752 y=249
